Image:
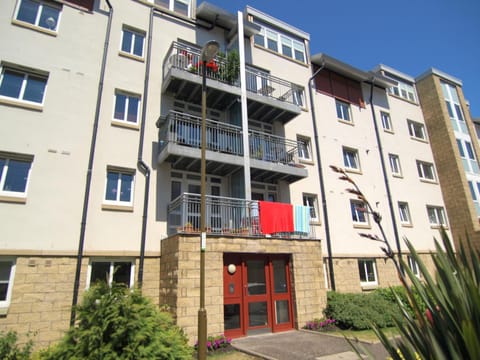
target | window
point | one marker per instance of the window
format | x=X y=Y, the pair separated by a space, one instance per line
x=475 y=192
x=23 y=86
x=367 y=271
x=127 y=107
x=412 y=264
x=14 y=174
x=416 y=130
x=119 y=188
x=425 y=171
x=343 y=110
x=468 y=156
x=39 y=13
x=359 y=212
x=289 y=46
x=120 y=272
x=298 y=96
x=310 y=200
x=402 y=89
x=404 y=213
x=304 y=148
x=7 y=274
x=179 y=6
x=395 y=164
x=386 y=122
x=350 y=159
x=436 y=216
x=132 y=42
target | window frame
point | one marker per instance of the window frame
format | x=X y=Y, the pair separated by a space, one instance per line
x=413 y=266
x=403 y=90
x=367 y=281
x=422 y=166
x=413 y=127
x=357 y=214
x=439 y=215
x=135 y=34
x=4 y=304
x=345 y=113
x=8 y=195
x=311 y=200
x=117 y=202
x=307 y=147
x=112 y=262
x=347 y=160
x=394 y=161
x=386 y=121
x=404 y=213
x=125 y=111
x=42 y=4
x=171 y=6
x=26 y=76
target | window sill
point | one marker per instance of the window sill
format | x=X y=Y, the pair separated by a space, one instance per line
x=362 y=226
x=368 y=287
x=306 y=161
x=13 y=199
x=406 y=225
x=131 y=56
x=404 y=99
x=346 y=122
x=3 y=310
x=34 y=27
x=438 y=227
x=125 y=124
x=21 y=104
x=388 y=131
x=425 y=141
x=400 y=176
x=353 y=171
x=114 y=207
x=428 y=181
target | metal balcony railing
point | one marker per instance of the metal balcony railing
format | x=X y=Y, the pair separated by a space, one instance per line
x=188 y=58
x=272 y=148
x=224 y=216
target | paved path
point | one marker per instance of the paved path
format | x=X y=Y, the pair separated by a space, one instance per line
x=302 y=345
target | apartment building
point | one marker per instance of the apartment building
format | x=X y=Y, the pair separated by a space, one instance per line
x=454 y=142
x=371 y=125
x=101 y=112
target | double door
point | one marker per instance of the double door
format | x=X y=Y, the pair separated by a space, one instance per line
x=257 y=294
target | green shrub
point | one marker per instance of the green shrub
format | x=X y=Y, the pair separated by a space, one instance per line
x=360 y=311
x=9 y=350
x=390 y=294
x=116 y=323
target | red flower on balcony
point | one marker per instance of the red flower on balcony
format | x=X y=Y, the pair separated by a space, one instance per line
x=211 y=65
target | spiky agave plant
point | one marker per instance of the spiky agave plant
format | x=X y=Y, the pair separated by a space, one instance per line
x=450 y=327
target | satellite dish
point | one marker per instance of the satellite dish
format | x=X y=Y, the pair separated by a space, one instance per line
x=51 y=23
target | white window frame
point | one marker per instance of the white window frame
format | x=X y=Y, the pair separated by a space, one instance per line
x=128 y=98
x=425 y=168
x=170 y=5
x=111 y=269
x=404 y=90
x=413 y=266
x=404 y=212
x=304 y=148
x=357 y=214
x=120 y=172
x=395 y=165
x=343 y=110
x=135 y=34
x=436 y=216
x=4 y=304
x=41 y=7
x=363 y=270
x=311 y=200
x=416 y=130
x=351 y=159
x=386 y=121
x=4 y=173
x=26 y=76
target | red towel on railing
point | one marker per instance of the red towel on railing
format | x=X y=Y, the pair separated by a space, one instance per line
x=275 y=217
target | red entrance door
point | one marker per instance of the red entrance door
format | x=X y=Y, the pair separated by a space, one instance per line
x=257 y=296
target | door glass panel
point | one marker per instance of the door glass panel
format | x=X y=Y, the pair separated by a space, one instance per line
x=279 y=276
x=231 y=316
x=257 y=314
x=256 y=277
x=281 y=311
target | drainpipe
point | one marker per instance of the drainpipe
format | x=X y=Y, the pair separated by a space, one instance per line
x=88 y=181
x=322 y=185
x=385 y=178
x=142 y=166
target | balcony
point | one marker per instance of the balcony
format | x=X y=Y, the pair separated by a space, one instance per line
x=268 y=98
x=272 y=158
x=224 y=216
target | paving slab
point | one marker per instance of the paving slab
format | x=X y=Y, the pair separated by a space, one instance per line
x=303 y=345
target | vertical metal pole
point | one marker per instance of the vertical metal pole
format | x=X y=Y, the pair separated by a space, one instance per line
x=202 y=312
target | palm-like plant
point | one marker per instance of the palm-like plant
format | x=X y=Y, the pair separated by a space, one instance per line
x=450 y=327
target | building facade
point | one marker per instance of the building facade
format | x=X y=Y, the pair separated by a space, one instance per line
x=101 y=107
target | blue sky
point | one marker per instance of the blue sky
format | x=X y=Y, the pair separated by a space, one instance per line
x=411 y=35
